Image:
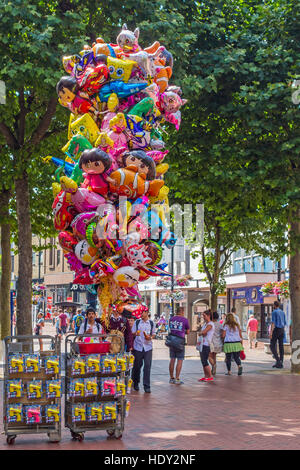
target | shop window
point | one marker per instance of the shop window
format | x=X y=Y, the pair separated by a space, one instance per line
x=237 y=267
x=268 y=265
x=247 y=265
x=257 y=264
x=52 y=255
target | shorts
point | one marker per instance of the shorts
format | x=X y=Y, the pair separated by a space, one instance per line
x=62 y=330
x=175 y=354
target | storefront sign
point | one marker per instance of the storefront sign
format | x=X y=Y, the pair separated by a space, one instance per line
x=78 y=288
x=252 y=295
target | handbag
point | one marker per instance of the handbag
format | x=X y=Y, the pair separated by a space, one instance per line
x=175 y=342
x=242 y=355
x=199 y=345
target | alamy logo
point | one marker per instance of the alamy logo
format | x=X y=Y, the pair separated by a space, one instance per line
x=296 y=93
x=295 y=358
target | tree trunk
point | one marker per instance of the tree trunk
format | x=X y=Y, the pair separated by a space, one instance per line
x=295 y=293
x=213 y=299
x=5 y=265
x=24 y=288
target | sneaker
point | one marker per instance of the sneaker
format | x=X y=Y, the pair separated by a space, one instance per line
x=136 y=387
x=209 y=379
x=202 y=379
x=172 y=381
x=147 y=390
x=278 y=365
x=240 y=370
x=228 y=373
x=178 y=382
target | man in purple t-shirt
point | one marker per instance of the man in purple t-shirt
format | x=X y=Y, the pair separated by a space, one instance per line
x=179 y=326
x=63 y=322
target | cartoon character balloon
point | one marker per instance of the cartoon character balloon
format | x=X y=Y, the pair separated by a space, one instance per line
x=109 y=190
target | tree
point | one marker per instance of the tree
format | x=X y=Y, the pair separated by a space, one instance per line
x=34 y=37
x=241 y=130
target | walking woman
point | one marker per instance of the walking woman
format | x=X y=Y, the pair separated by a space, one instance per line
x=38 y=330
x=216 y=345
x=233 y=340
x=206 y=335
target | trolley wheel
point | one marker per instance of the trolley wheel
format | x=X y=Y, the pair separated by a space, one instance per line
x=10 y=440
x=118 y=434
x=77 y=436
x=53 y=437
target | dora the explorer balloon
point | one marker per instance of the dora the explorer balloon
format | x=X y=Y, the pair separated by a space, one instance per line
x=70 y=97
x=95 y=163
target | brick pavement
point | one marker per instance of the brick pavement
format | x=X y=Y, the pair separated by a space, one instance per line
x=258 y=410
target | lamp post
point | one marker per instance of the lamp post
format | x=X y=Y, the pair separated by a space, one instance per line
x=278 y=275
x=172 y=280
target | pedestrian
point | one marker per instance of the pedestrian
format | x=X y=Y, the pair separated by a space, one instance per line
x=54 y=315
x=38 y=330
x=179 y=327
x=90 y=325
x=71 y=318
x=216 y=345
x=143 y=332
x=63 y=323
x=233 y=340
x=277 y=334
x=77 y=320
x=252 y=327
x=118 y=322
x=236 y=317
x=131 y=321
x=206 y=333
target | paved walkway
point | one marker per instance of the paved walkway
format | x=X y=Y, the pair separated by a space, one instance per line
x=258 y=410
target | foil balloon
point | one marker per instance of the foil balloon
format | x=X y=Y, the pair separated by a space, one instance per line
x=110 y=199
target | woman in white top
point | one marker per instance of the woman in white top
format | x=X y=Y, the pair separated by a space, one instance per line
x=216 y=345
x=233 y=339
x=206 y=333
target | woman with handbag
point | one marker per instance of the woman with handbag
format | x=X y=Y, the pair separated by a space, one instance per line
x=206 y=334
x=233 y=340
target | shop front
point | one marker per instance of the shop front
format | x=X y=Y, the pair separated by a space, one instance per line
x=250 y=301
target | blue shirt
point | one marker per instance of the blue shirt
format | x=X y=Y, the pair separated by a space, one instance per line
x=278 y=318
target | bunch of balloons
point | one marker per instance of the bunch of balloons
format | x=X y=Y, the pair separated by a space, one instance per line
x=109 y=190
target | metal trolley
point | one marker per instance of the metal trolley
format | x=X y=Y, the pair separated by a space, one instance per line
x=18 y=349
x=113 y=427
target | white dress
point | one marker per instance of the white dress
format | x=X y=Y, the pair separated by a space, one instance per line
x=216 y=345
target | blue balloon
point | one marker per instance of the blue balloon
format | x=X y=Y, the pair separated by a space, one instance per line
x=122 y=90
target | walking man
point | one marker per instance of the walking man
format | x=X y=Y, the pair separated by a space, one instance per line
x=252 y=327
x=179 y=326
x=277 y=334
x=143 y=332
